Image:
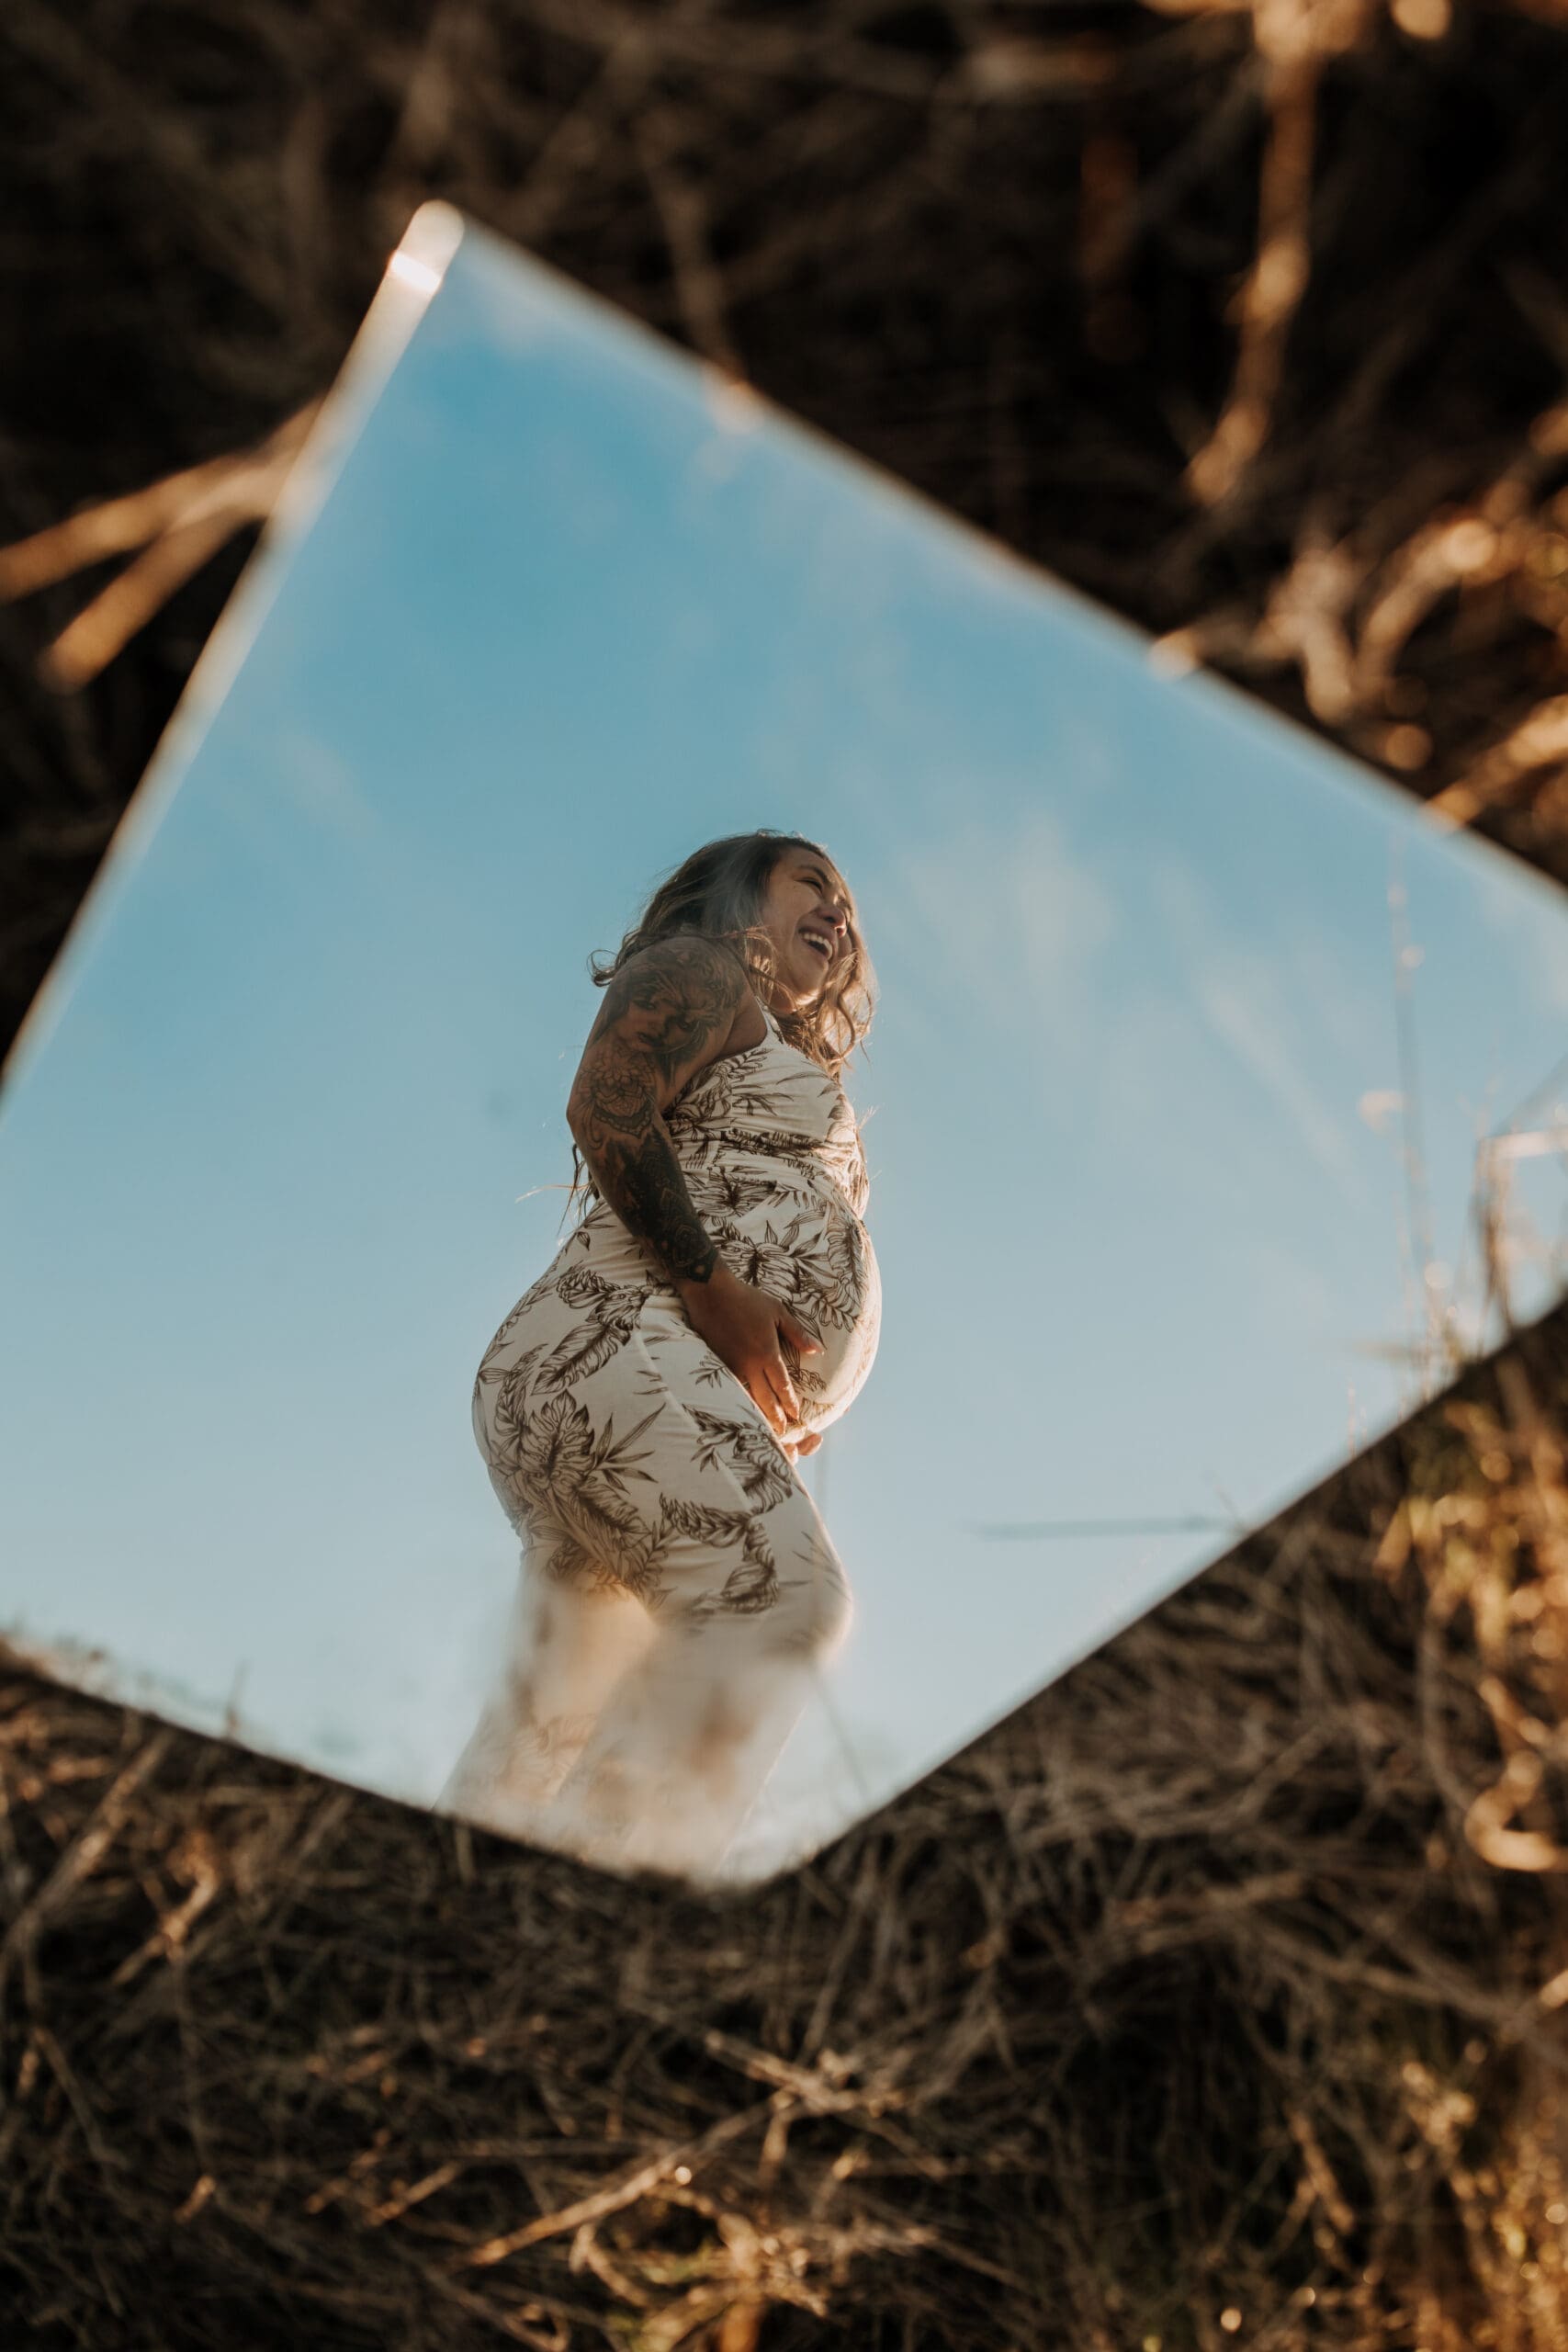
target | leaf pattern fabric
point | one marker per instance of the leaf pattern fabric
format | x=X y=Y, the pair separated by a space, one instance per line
x=678 y=1587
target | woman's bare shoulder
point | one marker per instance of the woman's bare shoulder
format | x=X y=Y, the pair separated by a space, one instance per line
x=677 y=1002
x=684 y=961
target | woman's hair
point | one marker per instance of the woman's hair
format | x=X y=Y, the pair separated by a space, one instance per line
x=719 y=892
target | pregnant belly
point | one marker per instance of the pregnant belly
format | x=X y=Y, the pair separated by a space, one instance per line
x=804 y=1246
x=812 y=1252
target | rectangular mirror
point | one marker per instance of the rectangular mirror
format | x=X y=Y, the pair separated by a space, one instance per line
x=1192 y=1043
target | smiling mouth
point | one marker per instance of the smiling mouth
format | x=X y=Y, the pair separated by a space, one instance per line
x=823 y=946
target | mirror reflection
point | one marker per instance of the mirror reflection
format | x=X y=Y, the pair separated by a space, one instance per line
x=700 y=1129
x=714 y=1313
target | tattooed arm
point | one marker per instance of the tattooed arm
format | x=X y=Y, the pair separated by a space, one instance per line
x=667 y=1015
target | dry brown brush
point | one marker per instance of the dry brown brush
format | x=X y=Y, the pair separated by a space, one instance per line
x=1221 y=1994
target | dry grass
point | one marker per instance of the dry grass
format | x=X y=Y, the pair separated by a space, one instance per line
x=1219 y=1997
x=1228 y=1978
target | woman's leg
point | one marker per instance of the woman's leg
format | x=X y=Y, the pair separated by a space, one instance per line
x=568 y=1647
x=747 y=1600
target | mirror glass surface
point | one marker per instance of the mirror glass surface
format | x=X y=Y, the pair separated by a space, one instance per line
x=1192 y=1038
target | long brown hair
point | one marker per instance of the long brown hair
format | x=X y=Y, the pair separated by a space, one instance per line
x=719 y=892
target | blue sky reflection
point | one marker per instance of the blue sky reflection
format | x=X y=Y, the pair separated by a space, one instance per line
x=271 y=1172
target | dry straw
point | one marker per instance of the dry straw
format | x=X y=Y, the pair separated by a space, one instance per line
x=1218 y=1996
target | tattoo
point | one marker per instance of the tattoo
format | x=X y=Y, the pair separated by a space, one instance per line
x=661 y=1013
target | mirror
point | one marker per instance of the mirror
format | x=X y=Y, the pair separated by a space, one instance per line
x=1193 y=1041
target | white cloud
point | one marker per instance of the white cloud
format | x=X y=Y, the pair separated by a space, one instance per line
x=1011 y=918
x=1268 y=1008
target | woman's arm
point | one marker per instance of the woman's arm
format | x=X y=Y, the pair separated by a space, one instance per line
x=666 y=1015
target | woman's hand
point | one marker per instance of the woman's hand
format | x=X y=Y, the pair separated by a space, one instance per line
x=741 y=1325
x=798 y=1449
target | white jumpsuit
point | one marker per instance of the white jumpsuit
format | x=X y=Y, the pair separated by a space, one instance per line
x=678 y=1589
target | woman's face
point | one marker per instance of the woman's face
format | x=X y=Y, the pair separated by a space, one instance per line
x=805 y=914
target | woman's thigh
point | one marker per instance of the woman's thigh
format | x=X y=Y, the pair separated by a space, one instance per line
x=626 y=1452
x=734 y=1537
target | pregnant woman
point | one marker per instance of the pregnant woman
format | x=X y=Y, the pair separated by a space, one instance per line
x=642 y=1408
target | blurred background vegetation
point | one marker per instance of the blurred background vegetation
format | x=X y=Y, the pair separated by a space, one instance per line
x=1218 y=1999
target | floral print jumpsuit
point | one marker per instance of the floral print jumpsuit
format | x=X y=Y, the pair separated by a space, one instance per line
x=679 y=1589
